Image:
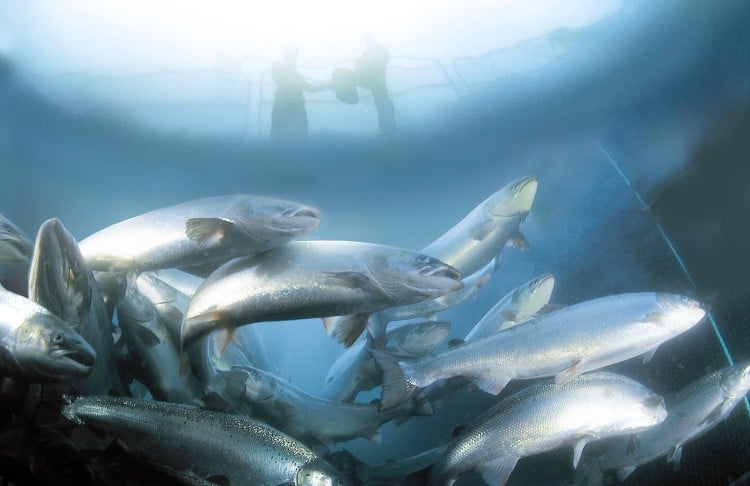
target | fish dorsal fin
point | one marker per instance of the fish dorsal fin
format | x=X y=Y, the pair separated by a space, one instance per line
x=458 y=431
x=456 y=342
x=675 y=454
x=481 y=230
x=148 y=337
x=207 y=232
x=566 y=375
x=396 y=389
x=491 y=383
x=648 y=356
x=347 y=329
x=498 y=471
x=624 y=472
x=518 y=242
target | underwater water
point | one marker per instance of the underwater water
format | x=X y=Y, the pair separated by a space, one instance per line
x=635 y=127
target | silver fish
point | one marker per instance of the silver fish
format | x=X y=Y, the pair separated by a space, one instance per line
x=37 y=346
x=315 y=279
x=517 y=306
x=377 y=322
x=693 y=411
x=197 y=232
x=355 y=369
x=60 y=282
x=546 y=416
x=244 y=451
x=154 y=352
x=487 y=229
x=397 y=470
x=306 y=417
x=563 y=344
x=14 y=246
x=473 y=247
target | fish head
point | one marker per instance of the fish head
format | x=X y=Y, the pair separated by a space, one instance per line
x=534 y=295
x=49 y=348
x=679 y=312
x=14 y=247
x=422 y=338
x=320 y=473
x=642 y=413
x=735 y=381
x=409 y=277
x=275 y=220
x=514 y=199
x=59 y=279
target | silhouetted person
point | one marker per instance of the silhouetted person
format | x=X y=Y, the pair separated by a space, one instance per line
x=371 y=74
x=288 y=114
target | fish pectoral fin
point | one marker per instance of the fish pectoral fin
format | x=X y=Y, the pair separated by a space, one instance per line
x=376 y=328
x=226 y=336
x=648 y=356
x=518 y=242
x=624 y=472
x=579 y=445
x=218 y=480
x=675 y=454
x=373 y=435
x=207 y=231
x=349 y=279
x=568 y=373
x=497 y=471
x=715 y=415
x=547 y=308
x=456 y=342
x=147 y=337
x=481 y=230
x=347 y=329
x=491 y=383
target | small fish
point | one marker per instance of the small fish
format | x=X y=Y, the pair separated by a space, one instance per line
x=427 y=309
x=516 y=307
x=307 y=417
x=315 y=279
x=546 y=416
x=693 y=411
x=487 y=229
x=154 y=351
x=563 y=344
x=355 y=371
x=207 y=444
x=60 y=282
x=197 y=232
x=37 y=346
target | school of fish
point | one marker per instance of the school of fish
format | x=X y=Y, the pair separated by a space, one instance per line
x=131 y=358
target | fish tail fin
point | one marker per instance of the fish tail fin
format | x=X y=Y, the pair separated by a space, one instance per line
x=396 y=388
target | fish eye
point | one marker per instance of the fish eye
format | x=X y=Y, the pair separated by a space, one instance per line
x=58 y=338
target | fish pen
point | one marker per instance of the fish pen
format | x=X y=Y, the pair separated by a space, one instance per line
x=391 y=244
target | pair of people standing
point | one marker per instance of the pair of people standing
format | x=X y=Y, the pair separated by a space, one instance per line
x=289 y=115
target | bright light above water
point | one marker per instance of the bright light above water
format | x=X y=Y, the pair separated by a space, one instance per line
x=138 y=35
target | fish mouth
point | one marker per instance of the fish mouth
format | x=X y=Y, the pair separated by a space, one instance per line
x=78 y=362
x=440 y=271
x=519 y=200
